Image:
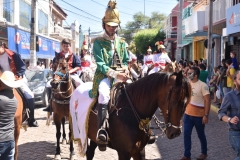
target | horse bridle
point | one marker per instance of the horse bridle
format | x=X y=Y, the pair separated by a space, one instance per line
x=156 y=120
x=58 y=89
x=162 y=125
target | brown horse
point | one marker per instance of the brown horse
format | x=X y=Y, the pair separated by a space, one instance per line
x=62 y=89
x=136 y=103
x=18 y=119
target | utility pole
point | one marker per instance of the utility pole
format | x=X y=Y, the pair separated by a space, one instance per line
x=179 y=32
x=89 y=42
x=210 y=21
x=33 y=57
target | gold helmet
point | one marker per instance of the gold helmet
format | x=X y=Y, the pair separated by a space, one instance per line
x=111 y=16
x=159 y=45
x=149 y=49
x=84 y=46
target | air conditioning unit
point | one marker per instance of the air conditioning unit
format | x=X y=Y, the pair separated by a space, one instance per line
x=3 y=21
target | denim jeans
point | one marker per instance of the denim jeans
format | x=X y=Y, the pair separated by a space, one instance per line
x=221 y=89
x=188 y=123
x=7 y=150
x=234 y=139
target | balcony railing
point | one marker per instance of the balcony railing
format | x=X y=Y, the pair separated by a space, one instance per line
x=219 y=10
x=60 y=33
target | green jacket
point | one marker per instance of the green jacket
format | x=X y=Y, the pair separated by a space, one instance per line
x=103 y=56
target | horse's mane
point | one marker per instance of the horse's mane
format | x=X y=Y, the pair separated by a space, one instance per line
x=149 y=85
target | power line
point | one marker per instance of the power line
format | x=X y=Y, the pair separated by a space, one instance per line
x=80 y=9
x=105 y=7
x=81 y=15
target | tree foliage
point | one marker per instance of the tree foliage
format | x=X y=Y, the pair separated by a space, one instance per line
x=148 y=37
x=140 y=22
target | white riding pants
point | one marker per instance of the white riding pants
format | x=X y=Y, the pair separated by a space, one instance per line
x=27 y=92
x=144 y=70
x=77 y=80
x=104 y=91
x=154 y=70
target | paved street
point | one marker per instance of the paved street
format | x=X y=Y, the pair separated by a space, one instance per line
x=39 y=143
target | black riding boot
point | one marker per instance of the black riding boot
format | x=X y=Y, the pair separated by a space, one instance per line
x=101 y=137
x=31 y=121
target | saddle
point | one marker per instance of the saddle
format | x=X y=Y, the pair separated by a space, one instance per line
x=114 y=94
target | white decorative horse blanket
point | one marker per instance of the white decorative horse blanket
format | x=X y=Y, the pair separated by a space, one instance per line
x=80 y=108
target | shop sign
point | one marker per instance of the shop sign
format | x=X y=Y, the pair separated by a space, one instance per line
x=233 y=19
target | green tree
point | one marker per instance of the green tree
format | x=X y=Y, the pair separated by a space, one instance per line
x=148 y=37
x=141 y=22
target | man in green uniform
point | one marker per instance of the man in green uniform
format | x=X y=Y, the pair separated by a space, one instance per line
x=112 y=60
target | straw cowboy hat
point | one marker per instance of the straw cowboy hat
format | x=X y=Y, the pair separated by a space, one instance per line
x=149 y=49
x=8 y=79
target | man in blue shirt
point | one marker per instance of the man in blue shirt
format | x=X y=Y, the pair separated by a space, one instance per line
x=230 y=113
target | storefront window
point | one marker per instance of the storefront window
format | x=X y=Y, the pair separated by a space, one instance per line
x=42 y=22
x=8 y=10
x=25 y=14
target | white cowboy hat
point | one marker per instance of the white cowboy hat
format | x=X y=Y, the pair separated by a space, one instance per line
x=8 y=79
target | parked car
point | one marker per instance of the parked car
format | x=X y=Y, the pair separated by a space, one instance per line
x=37 y=80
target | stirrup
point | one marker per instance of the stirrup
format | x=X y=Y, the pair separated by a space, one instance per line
x=104 y=133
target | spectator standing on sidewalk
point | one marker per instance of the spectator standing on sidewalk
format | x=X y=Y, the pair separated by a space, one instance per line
x=196 y=114
x=8 y=108
x=230 y=73
x=234 y=60
x=222 y=80
x=230 y=113
x=203 y=73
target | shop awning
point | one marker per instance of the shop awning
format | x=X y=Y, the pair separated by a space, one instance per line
x=201 y=33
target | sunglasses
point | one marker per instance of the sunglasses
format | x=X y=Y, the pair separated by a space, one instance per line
x=189 y=73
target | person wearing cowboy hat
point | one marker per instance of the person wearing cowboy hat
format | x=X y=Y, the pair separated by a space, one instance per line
x=148 y=61
x=11 y=61
x=112 y=64
x=8 y=107
x=161 y=58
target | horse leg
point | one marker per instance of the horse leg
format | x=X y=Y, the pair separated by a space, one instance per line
x=57 y=122
x=123 y=156
x=64 y=140
x=17 y=127
x=91 y=150
x=72 y=154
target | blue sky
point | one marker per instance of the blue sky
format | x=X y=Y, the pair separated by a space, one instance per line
x=93 y=10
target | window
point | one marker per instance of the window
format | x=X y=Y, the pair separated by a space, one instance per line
x=25 y=14
x=42 y=22
x=8 y=10
x=235 y=2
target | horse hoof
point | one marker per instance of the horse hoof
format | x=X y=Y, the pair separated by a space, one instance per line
x=73 y=157
x=64 y=142
x=57 y=157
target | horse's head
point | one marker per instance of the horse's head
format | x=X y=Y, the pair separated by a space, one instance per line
x=60 y=63
x=171 y=67
x=177 y=98
x=60 y=68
